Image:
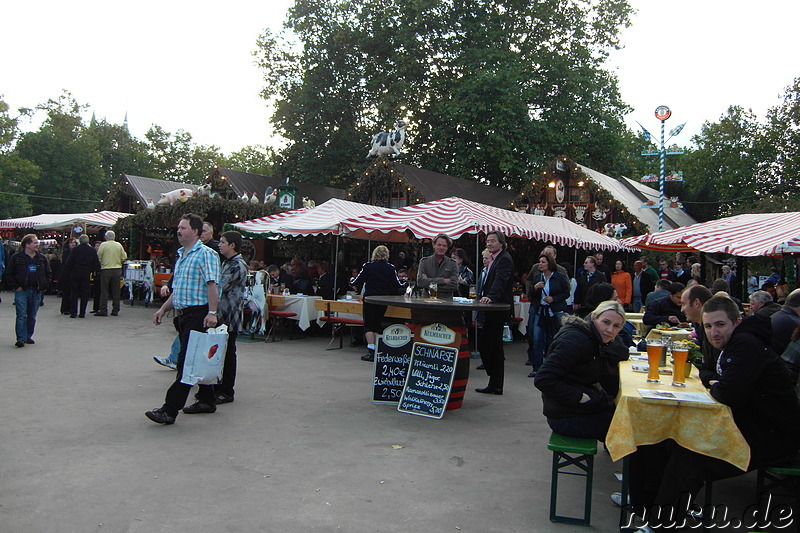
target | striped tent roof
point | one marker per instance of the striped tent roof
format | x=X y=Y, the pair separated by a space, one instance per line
x=749 y=235
x=457 y=216
x=322 y=219
x=65 y=221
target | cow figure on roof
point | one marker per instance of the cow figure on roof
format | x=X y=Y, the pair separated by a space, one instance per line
x=389 y=144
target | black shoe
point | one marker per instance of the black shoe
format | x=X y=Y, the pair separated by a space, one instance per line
x=224 y=398
x=30 y=341
x=114 y=313
x=72 y=316
x=490 y=390
x=480 y=367
x=529 y=362
x=369 y=357
x=199 y=407
x=99 y=313
x=532 y=375
x=159 y=416
x=93 y=311
x=81 y=316
x=19 y=344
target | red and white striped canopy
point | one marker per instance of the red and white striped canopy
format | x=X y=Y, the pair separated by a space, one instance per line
x=455 y=217
x=322 y=219
x=749 y=235
x=65 y=221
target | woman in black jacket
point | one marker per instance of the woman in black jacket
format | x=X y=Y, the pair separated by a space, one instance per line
x=579 y=378
x=378 y=277
x=549 y=292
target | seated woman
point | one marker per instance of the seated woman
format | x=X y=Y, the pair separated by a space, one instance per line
x=579 y=378
x=602 y=292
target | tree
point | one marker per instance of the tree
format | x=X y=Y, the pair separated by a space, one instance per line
x=177 y=158
x=71 y=177
x=120 y=152
x=720 y=172
x=490 y=90
x=254 y=159
x=780 y=165
x=17 y=175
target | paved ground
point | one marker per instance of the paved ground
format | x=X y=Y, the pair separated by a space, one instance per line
x=302 y=449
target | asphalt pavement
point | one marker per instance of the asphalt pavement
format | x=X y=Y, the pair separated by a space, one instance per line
x=302 y=449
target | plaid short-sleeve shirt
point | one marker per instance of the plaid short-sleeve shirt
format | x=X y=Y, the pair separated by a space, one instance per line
x=193 y=271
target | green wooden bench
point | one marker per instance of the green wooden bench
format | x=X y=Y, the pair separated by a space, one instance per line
x=572 y=452
x=778 y=476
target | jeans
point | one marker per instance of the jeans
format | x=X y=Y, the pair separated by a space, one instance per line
x=637 y=304
x=27 y=303
x=538 y=338
x=175 y=349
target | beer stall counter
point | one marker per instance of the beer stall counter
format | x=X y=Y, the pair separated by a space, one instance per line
x=438 y=362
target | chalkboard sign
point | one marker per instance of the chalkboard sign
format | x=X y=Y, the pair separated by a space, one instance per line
x=392 y=356
x=430 y=376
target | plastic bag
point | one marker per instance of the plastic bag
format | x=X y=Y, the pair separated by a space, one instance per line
x=205 y=356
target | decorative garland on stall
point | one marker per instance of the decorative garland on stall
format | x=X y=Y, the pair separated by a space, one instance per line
x=374 y=186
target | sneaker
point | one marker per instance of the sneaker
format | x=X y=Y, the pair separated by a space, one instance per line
x=224 y=398
x=159 y=416
x=616 y=497
x=165 y=361
x=199 y=407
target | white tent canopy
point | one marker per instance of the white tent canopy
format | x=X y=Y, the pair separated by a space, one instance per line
x=65 y=221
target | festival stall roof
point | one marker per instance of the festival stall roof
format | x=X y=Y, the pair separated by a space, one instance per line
x=436 y=186
x=149 y=189
x=323 y=219
x=457 y=216
x=632 y=195
x=247 y=183
x=749 y=235
x=65 y=221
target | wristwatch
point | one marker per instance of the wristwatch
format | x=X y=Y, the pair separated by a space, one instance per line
x=212 y=313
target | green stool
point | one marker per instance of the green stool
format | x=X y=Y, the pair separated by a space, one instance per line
x=572 y=451
x=777 y=476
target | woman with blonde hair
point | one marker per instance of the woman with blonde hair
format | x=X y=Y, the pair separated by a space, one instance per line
x=378 y=277
x=579 y=378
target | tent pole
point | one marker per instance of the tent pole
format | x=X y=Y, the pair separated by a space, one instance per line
x=478 y=261
x=336 y=267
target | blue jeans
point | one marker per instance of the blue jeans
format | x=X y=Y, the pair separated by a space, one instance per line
x=636 y=304
x=27 y=303
x=175 y=350
x=538 y=339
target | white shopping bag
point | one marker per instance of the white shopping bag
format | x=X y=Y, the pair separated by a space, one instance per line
x=205 y=356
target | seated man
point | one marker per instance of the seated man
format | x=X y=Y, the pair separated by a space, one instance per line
x=661 y=291
x=756 y=384
x=667 y=309
x=692 y=302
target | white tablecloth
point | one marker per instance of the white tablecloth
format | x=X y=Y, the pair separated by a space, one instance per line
x=521 y=310
x=303 y=306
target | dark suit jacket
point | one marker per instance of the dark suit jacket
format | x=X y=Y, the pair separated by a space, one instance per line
x=83 y=260
x=584 y=284
x=500 y=279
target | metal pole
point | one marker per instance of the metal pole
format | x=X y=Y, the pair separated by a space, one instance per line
x=661 y=179
x=336 y=268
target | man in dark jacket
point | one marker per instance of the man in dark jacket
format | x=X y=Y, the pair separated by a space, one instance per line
x=28 y=275
x=642 y=286
x=82 y=262
x=785 y=321
x=692 y=301
x=590 y=276
x=666 y=309
x=278 y=276
x=497 y=288
x=756 y=385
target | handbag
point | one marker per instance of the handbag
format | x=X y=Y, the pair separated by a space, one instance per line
x=205 y=356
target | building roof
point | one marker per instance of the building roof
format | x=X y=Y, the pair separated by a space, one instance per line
x=146 y=189
x=245 y=182
x=436 y=186
x=633 y=194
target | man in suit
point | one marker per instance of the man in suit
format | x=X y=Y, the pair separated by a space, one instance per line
x=642 y=286
x=496 y=288
x=590 y=276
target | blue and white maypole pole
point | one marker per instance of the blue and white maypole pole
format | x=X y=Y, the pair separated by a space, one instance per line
x=662 y=114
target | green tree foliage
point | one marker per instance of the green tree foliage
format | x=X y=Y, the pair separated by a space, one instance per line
x=17 y=175
x=71 y=177
x=255 y=159
x=120 y=152
x=720 y=172
x=491 y=90
x=176 y=158
x=780 y=162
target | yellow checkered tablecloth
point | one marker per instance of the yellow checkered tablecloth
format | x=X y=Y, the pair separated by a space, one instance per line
x=705 y=428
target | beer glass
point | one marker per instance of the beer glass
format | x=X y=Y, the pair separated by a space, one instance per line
x=433 y=289
x=473 y=292
x=654 y=349
x=679 y=356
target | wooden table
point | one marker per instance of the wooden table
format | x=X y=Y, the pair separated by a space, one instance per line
x=303 y=306
x=355 y=308
x=705 y=428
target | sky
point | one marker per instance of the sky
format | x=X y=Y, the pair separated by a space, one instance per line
x=188 y=65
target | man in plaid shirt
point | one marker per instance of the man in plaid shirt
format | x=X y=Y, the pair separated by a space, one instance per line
x=195 y=296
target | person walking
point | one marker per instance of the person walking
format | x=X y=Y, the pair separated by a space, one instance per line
x=195 y=296
x=111 y=255
x=64 y=276
x=28 y=276
x=82 y=262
